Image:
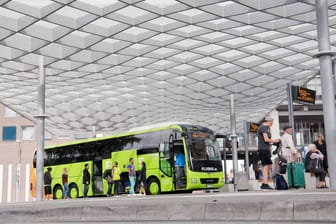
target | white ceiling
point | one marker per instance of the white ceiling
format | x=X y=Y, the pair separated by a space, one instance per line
x=115 y=65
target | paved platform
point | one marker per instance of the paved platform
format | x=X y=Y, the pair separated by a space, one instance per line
x=291 y=205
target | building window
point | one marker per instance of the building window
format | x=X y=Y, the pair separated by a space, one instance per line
x=27 y=133
x=81 y=136
x=63 y=136
x=9 y=133
x=9 y=112
x=47 y=135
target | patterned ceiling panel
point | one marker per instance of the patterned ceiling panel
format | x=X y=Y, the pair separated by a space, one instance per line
x=114 y=65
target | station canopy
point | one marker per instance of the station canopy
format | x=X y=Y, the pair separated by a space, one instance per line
x=115 y=65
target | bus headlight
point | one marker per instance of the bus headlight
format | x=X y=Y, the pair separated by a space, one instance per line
x=193 y=180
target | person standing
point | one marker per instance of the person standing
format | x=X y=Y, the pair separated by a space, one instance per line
x=108 y=177
x=322 y=147
x=264 y=150
x=47 y=184
x=143 y=179
x=116 y=178
x=65 y=183
x=179 y=166
x=86 y=179
x=288 y=148
x=131 y=176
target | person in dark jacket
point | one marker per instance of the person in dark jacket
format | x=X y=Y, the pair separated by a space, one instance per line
x=47 y=184
x=321 y=145
x=86 y=180
x=315 y=164
x=142 y=179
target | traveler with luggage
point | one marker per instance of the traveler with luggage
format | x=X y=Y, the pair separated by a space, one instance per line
x=314 y=163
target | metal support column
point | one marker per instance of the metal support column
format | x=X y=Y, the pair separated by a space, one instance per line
x=40 y=117
x=247 y=161
x=290 y=111
x=327 y=86
x=234 y=143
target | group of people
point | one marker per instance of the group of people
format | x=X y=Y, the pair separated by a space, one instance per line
x=113 y=178
x=315 y=159
x=47 y=178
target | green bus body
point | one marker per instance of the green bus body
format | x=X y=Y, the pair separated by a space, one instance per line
x=157 y=147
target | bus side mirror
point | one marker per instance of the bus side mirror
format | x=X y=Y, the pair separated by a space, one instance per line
x=184 y=135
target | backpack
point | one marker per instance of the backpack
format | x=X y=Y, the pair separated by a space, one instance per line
x=307 y=162
x=280 y=182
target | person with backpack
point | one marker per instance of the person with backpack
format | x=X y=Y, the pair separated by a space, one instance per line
x=314 y=164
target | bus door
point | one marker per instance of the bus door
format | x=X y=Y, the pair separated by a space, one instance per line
x=97 y=177
x=180 y=174
x=166 y=166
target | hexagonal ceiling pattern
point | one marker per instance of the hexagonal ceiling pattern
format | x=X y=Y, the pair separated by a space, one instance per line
x=119 y=64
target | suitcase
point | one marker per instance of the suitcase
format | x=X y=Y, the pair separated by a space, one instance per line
x=296 y=177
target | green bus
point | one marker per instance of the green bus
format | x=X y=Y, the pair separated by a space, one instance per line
x=156 y=146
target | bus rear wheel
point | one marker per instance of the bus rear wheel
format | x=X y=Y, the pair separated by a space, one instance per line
x=73 y=191
x=58 y=192
x=154 y=186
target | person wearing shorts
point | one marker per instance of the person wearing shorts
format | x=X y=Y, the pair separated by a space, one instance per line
x=264 y=150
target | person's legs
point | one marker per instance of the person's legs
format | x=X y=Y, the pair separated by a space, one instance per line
x=66 y=190
x=178 y=177
x=115 y=187
x=321 y=174
x=86 y=189
x=109 y=189
x=265 y=158
x=132 y=182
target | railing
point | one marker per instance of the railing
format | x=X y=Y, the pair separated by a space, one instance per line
x=14 y=183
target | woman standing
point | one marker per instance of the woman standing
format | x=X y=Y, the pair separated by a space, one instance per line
x=322 y=147
x=65 y=183
x=116 y=178
x=142 y=179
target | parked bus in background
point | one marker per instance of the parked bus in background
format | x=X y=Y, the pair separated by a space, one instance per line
x=156 y=146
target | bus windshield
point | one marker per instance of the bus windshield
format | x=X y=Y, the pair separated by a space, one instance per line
x=204 y=153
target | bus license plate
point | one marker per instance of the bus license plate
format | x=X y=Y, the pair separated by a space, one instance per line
x=209 y=186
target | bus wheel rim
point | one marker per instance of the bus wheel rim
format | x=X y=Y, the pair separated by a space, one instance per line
x=73 y=193
x=154 y=188
x=59 y=194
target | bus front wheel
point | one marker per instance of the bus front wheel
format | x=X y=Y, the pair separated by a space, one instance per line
x=154 y=186
x=73 y=191
x=58 y=192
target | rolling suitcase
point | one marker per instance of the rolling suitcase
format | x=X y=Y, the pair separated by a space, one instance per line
x=295 y=173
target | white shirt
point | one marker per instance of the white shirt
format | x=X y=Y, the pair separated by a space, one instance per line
x=288 y=148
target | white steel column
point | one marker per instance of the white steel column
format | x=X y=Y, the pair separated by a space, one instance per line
x=9 y=182
x=234 y=143
x=40 y=130
x=1 y=181
x=27 y=183
x=327 y=86
x=18 y=182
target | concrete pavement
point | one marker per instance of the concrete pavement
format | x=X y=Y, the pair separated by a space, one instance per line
x=291 y=205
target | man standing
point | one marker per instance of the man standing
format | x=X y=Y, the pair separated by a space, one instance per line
x=264 y=150
x=47 y=184
x=86 y=179
x=288 y=148
x=180 y=166
x=131 y=176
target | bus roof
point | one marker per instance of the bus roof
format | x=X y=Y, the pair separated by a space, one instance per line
x=140 y=130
